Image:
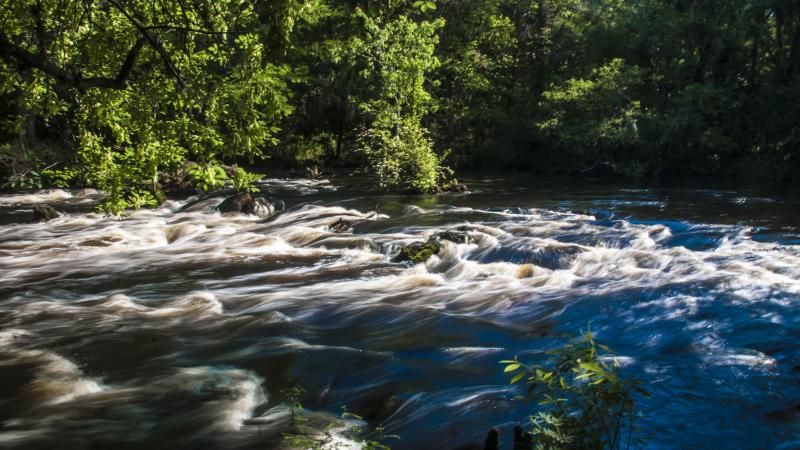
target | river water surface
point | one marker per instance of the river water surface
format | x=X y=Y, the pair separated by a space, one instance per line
x=173 y=329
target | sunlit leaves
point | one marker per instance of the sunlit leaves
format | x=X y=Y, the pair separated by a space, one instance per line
x=587 y=116
x=424 y=6
x=208 y=176
x=585 y=403
x=244 y=181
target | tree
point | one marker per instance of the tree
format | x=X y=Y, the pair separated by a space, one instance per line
x=126 y=90
x=593 y=119
x=395 y=57
x=138 y=88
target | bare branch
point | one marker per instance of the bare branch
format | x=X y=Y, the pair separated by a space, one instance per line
x=154 y=42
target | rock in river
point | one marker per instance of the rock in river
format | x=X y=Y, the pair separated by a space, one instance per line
x=44 y=213
x=419 y=251
x=246 y=203
x=459 y=237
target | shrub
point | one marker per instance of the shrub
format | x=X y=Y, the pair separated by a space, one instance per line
x=586 y=404
x=244 y=181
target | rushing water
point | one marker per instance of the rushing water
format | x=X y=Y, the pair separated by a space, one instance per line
x=182 y=329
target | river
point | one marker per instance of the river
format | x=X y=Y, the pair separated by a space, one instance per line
x=173 y=329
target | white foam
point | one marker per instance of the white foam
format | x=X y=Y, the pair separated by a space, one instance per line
x=473 y=350
x=46 y=196
x=56 y=379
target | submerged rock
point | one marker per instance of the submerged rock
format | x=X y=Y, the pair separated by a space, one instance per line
x=457 y=236
x=419 y=251
x=44 y=213
x=268 y=207
x=179 y=183
x=241 y=203
x=246 y=203
x=785 y=415
x=526 y=271
x=453 y=186
x=204 y=201
x=342 y=226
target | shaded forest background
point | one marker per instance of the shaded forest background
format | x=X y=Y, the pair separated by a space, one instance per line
x=123 y=94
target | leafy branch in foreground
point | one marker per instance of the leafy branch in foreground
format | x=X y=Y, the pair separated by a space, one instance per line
x=585 y=403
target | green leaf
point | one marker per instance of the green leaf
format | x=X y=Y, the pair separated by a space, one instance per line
x=590 y=366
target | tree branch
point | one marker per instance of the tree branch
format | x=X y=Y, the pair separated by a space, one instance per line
x=27 y=60
x=154 y=42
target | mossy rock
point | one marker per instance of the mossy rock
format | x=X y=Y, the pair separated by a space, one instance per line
x=419 y=251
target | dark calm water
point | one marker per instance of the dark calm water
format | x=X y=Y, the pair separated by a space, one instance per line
x=182 y=329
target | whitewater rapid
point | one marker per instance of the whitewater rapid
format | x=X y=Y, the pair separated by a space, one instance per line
x=183 y=328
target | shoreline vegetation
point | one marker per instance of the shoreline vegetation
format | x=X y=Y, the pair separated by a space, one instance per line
x=129 y=97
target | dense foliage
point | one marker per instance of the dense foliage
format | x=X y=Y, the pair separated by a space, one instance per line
x=118 y=93
x=127 y=90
